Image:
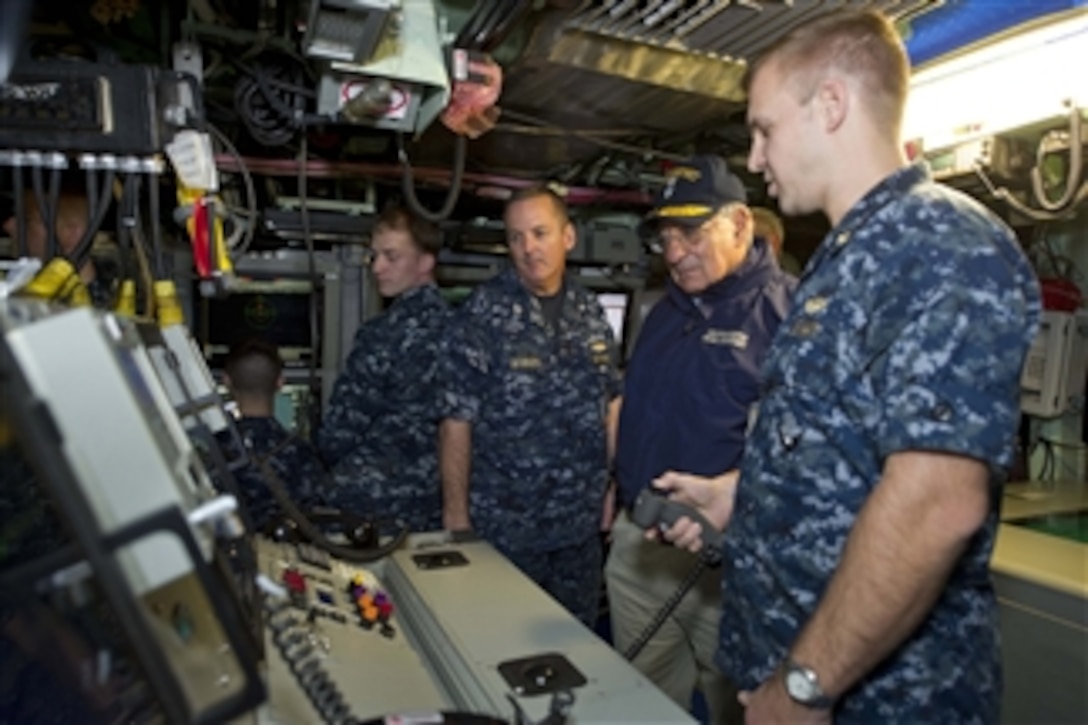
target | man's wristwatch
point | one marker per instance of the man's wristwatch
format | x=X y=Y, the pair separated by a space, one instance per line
x=803 y=687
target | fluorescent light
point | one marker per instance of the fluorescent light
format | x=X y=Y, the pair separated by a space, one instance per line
x=1014 y=82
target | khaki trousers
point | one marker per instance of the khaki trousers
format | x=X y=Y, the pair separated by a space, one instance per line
x=641 y=575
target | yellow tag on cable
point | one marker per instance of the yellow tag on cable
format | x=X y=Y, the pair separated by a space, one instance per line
x=166 y=304
x=58 y=281
x=126 y=299
x=77 y=295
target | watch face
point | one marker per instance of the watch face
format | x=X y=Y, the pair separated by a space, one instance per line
x=800 y=687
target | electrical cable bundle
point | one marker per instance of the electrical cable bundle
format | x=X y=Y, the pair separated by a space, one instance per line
x=270 y=99
x=96 y=210
x=47 y=206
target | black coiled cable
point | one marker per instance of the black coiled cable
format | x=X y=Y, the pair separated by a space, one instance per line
x=279 y=492
x=269 y=99
x=667 y=608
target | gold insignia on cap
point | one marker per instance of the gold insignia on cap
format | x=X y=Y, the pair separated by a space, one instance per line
x=687 y=173
x=683 y=211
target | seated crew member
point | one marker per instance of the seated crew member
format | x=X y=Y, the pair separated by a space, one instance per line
x=690 y=388
x=101 y=271
x=253 y=373
x=379 y=435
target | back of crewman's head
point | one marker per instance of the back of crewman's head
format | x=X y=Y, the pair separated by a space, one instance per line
x=254 y=368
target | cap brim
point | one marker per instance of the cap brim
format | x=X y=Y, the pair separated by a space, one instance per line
x=683 y=214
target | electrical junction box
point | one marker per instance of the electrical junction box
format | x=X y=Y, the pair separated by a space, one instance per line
x=70 y=106
x=614 y=244
x=403 y=87
x=1003 y=158
x=1053 y=377
x=348 y=30
x=607 y=239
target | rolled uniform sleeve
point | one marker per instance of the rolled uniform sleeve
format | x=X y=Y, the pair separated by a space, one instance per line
x=949 y=383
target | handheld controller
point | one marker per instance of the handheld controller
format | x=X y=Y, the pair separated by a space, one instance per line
x=654 y=509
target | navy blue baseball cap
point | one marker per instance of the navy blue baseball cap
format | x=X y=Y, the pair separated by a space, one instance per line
x=695 y=190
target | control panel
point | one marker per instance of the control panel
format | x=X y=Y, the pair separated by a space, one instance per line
x=437 y=627
x=337 y=636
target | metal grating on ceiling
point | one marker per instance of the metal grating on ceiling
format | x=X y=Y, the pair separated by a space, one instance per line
x=727 y=28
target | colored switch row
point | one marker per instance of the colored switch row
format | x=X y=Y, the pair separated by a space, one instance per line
x=374 y=606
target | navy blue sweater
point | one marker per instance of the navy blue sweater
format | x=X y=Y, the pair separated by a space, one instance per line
x=694 y=377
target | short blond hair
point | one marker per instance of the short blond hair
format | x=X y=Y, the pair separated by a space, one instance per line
x=864 y=45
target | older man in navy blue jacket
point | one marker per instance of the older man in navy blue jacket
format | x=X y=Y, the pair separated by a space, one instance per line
x=690 y=394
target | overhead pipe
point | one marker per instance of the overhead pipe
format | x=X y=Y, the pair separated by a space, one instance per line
x=495 y=186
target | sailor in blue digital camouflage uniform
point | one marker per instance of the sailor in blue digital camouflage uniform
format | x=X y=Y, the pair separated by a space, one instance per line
x=856 y=583
x=253 y=373
x=532 y=384
x=690 y=388
x=379 y=435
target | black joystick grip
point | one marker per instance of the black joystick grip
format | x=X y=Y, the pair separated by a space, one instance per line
x=653 y=509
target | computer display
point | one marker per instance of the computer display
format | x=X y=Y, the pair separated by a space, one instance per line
x=616 y=306
x=278 y=311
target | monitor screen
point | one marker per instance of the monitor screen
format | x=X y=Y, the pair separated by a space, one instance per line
x=615 y=306
x=277 y=311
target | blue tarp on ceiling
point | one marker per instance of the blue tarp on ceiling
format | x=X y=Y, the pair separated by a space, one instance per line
x=957 y=24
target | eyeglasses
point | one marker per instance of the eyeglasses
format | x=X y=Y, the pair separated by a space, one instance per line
x=689 y=237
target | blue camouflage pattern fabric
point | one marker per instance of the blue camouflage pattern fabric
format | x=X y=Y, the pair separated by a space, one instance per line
x=379 y=435
x=571 y=575
x=537 y=401
x=908 y=332
x=290 y=457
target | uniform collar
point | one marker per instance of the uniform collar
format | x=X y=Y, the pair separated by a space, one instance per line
x=754 y=271
x=893 y=187
x=420 y=295
x=513 y=281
